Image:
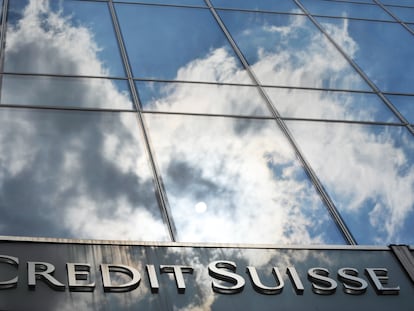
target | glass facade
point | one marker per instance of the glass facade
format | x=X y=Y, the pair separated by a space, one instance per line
x=253 y=122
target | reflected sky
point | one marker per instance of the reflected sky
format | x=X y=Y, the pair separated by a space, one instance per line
x=315 y=104
x=192 y=40
x=383 y=50
x=75 y=174
x=179 y=2
x=288 y=50
x=202 y=98
x=226 y=179
x=346 y=9
x=61 y=37
x=65 y=92
x=405 y=105
x=285 y=6
x=403 y=14
x=254 y=189
x=369 y=173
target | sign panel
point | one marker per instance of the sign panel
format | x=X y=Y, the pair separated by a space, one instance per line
x=73 y=276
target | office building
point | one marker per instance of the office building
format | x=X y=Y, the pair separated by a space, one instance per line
x=154 y=133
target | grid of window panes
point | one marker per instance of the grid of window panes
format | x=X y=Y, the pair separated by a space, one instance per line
x=224 y=121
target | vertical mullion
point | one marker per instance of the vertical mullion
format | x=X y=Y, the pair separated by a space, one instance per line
x=3 y=28
x=162 y=198
x=282 y=125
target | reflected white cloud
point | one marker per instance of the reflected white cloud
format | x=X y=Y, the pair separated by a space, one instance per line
x=40 y=37
x=69 y=174
x=246 y=173
x=369 y=172
x=94 y=175
x=253 y=198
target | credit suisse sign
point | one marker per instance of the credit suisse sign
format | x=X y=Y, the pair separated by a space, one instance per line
x=98 y=276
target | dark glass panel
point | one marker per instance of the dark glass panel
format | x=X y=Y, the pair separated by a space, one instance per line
x=288 y=50
x=65 y=92
x=61 y=37
x=233 y=176
x=287 y=6
x=77 y=175
x=202 y=98
x=383 y=50
x=405 y=105
x=345 y=9
x=192 y=47
x=330 y=105
x=199 y=294
x=368 y=170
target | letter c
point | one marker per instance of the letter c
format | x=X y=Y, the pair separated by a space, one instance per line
x=12 y=261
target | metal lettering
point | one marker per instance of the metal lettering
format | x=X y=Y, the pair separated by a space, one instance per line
x=215 y=271
x=258 y=285
x=351 y=283
x=153 y=279
x=11 y=261
x=294 y=278
x=76 y=272
x=47 y=269
x=378 y=277
x=106 y=269
x=178 y=274
x=321 y=284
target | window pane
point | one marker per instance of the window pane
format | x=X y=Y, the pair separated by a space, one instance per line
x=232 y=176
x=405 y=105
x=287 y=50
x=61 y=37
x=404 y=14
x=345 y=9
x=368 y=170
x=75 y=175
x=383 y=50
x=65 y=92
x=202 y=98
x=330 y=105
x=286 y=6
x=173 y=2
x=191 y=48
x=399 y=2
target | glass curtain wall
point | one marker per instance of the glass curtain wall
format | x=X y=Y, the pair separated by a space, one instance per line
x=218 y=121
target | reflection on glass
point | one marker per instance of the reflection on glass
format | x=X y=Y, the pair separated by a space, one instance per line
x=202 y=98
x=178 y=2
x=405 y=105
x=403 y=14
x=65 y=92
x=76 y=175
x=245 y=175
x=191 y=47
x=369 y=173
x=287 y=50
x=345 y=9
x=61 y=37
x=329 y=105
x=383 y=50
x=287 y=6
x=398 y=2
